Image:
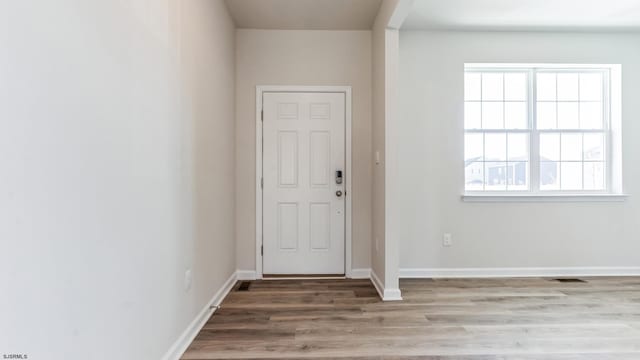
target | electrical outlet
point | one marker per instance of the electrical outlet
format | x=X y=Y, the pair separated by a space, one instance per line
x=187 y=280
x=447 y=240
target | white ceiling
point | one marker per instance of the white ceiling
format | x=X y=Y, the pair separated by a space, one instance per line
x=304 y=14
x=525 y=15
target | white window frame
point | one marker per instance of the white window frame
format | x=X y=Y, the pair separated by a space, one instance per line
x=613 y=182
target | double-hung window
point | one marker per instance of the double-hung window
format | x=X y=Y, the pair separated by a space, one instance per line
x=537 y=129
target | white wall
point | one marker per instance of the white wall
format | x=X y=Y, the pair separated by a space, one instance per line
x=378 y=55
x=384 y=253
x=116 y=173
x=292 y=57
x=430 y=152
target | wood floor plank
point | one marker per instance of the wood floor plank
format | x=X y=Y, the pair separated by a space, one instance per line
x=454 y=319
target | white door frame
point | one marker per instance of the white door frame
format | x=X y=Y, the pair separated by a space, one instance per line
x=346 y=90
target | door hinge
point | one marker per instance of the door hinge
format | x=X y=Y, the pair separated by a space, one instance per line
x=261 y=183
x=261 y=115
x=261 y=250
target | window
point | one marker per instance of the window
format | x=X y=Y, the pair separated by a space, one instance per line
x=537 y=129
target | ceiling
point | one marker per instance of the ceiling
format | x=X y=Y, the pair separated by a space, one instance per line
x=304 y=14
x=525 y=15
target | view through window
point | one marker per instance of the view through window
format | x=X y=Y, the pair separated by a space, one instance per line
x=536 y=129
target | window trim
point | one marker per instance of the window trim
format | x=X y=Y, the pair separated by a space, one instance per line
x=612 y=186
x=579 y=197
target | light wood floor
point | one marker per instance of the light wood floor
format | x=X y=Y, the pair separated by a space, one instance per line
x=532 y=319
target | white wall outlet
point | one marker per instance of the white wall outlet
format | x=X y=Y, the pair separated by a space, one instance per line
x=187 y=280
x=377 y=157
x=447 y=240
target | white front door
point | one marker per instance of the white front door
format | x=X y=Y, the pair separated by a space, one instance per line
x=304 y=183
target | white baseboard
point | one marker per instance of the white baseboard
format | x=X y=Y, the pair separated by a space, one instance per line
x=377 y=284
x=360 y=273
x=385 y=294
x=392 y=295
x=518 y=272
x=246 y=275
x=186 y=338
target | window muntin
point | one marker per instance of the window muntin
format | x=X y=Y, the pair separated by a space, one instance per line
x=536 y=130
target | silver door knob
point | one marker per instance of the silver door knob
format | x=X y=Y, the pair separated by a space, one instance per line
x=339 y=193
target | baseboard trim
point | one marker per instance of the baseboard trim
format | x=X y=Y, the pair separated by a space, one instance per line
x=186 y=338
x=246 y=275
x=360 y=273
x=392 y=295
x=518 y=272
x=385 y=294
x=377 y=284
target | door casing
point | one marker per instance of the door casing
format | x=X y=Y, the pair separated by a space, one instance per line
x=346 y=90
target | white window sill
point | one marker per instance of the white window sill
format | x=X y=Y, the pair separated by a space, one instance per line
x=500 y=198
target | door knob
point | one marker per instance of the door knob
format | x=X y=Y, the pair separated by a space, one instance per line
x=339 y=193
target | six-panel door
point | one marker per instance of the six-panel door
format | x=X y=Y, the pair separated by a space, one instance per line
x=303 y=204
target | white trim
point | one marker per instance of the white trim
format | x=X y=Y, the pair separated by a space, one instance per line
x=488 y=197
x=392 y=295
x=246 y=275
x=348 y=247
x=186 y=338
x=361 y=273
x=537 y=65
x=260 y=90
x=377 y=284
x=385 y=294
x=518 y=272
